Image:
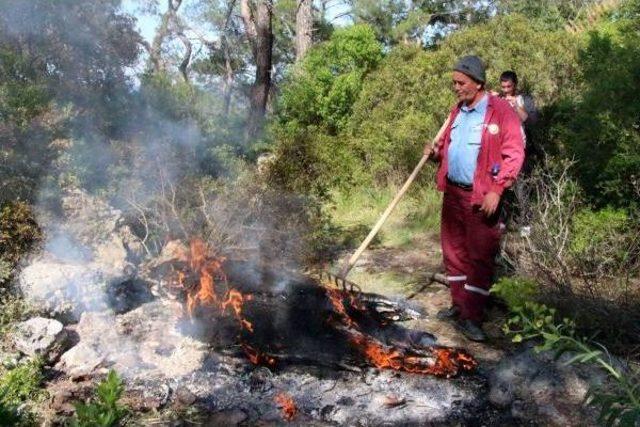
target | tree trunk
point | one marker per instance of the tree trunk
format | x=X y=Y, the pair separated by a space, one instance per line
x=304 y=28
x=259 y=30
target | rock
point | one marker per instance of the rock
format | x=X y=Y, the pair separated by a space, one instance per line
x=40 y=337
x=86 y=253
x=65 y=290
x=229 y=418
x=81 y=361
x=184 y=396
x=143 y=343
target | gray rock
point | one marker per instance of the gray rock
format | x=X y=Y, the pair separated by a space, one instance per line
x=40 y=337
x=86 y=253
x=81 y=361
x=143 y=343
x=65 y=289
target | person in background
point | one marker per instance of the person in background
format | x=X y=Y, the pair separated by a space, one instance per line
x=480 y=154
x=525 y=107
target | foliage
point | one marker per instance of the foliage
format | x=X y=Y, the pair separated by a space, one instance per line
x=515 y=291
x=22 y=383
x=324 y=88
x=604 y=240
x=104 y=410
x=583 y=260
x=599 y=128
x=618 y=405
x=20 y=386
x=12 y=309
x=19 y=232
x=547 y=14
x=315 y=104
x=419 y=22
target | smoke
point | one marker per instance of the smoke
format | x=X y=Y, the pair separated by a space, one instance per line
x=142 y=165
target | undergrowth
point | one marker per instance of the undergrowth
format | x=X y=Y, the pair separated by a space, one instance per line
x=415 y=215
x=19 y=389
x=618 y=403
x=103 y=410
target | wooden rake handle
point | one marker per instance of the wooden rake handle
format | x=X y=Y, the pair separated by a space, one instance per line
x=346 y=268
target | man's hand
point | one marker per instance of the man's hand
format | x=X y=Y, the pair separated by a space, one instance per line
x=431 y=150
x=490 y=203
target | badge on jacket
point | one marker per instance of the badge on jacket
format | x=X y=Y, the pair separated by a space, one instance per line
x=493 y=129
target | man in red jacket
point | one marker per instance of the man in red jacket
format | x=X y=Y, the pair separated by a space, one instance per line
x=480 y=154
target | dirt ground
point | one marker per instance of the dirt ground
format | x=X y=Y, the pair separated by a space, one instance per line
x=405 y=273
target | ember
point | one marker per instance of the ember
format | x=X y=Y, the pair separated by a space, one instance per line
x=439 y=361
x=286 y=405
x=258 y=358
x=314 y=324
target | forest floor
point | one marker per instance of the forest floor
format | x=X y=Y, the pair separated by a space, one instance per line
x=526 y=387
x=404 y=273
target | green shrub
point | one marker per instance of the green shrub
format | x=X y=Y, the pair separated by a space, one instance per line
x=599 y=127
x=13 y=309
x=315 y=105
x=19 y=231
x=9 y=415
x=22 y=383
x=515 y=291
x=327 y=83
x=104 y=410
x=20 y=386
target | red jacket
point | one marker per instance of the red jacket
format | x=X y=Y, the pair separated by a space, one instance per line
x=502 y=144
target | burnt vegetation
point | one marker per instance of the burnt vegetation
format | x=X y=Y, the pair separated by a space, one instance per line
x=250 y=126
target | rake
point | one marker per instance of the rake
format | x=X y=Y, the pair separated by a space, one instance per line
x=340 y=279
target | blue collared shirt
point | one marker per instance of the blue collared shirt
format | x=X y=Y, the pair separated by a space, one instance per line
x=466 y=135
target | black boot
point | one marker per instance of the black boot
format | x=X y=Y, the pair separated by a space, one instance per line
x=450 y=313
x=472 y=330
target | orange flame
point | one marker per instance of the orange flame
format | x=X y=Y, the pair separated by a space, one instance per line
x=208 y=269
x=236 y=300
x=287 y=406
x=444 y=362
x=258 y=358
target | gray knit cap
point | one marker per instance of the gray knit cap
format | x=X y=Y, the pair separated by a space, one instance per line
x=473 y=67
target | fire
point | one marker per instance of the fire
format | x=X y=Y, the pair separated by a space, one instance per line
x=258 y=358
x=208 y=270
x=337 y=300
x=206 y=285
x=235 y=299
x=443 y=362
x=286 y=405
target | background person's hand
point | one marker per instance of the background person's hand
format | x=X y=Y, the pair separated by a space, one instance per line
x=490 y=203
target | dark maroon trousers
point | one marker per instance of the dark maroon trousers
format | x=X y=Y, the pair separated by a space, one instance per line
x=470 y=243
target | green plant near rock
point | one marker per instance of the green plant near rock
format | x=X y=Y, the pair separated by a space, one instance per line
x=618 y=404
x=104 y=410
x=19 y=389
